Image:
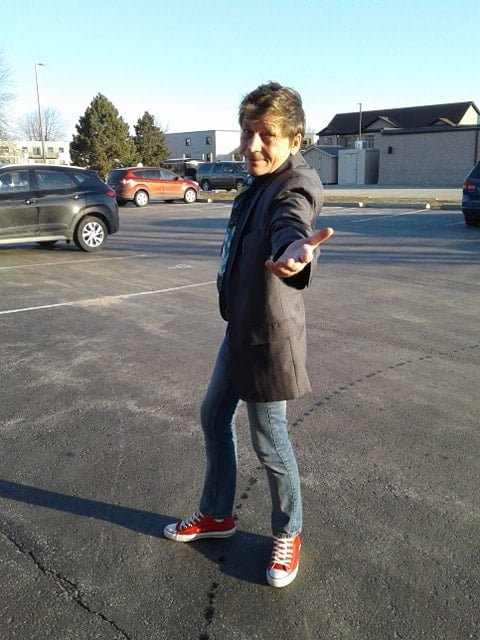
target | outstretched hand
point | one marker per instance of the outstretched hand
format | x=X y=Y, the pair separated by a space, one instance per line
x=298 y=254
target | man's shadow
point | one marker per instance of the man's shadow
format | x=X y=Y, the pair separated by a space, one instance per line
x=243 y=556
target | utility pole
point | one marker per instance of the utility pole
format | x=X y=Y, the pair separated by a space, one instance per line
x=360 y=122
x=42 y=137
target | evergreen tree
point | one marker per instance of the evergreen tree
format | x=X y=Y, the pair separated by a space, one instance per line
x=103 y=141
x=149 y=141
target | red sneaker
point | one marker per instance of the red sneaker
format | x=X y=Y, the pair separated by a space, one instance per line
x=283 y=566
x=199 y=526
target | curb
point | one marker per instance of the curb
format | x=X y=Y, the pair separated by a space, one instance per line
x=393 y=205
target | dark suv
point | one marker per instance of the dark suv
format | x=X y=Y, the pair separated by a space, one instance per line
x=222 y=175
x=471 y=197
x=45 y=203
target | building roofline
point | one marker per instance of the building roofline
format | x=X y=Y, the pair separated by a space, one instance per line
x=436 y=129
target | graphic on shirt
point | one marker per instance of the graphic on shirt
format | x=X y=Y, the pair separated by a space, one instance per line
x=230 y=232
x=227 y=243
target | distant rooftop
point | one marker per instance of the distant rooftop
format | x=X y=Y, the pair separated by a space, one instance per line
x=404 y=118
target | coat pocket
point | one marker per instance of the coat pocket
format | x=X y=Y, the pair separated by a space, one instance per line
x=273 y=332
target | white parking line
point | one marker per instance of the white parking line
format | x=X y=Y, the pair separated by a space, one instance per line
x=124 y=296
x=386 y=217
x=49 y=264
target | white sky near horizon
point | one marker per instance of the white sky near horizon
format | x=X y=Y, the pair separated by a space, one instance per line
x=190 y=63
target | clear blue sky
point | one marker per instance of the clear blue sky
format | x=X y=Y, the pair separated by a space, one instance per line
x=189 y=62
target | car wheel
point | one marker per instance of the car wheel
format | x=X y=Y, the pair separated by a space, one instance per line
x=205 y=185
x=190 y=196
x=91 y=234
x=141 y=198
x=238 y=184
x=470 y=219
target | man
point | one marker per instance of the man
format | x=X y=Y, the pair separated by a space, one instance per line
x=267 y=259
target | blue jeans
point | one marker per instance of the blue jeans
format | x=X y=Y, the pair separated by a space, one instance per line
x=269 y=434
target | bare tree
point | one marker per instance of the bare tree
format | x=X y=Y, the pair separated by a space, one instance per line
x=6 y=96
x=54 y=126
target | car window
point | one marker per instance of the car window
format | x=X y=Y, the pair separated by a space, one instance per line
x=82 y=176
x=116 y=174
x=167 y=175
x=151 y=174
x=54 y=180
x=475 y=172
x=218 y=168
x=11 y=181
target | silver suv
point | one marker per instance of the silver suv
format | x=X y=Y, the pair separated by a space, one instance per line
x=221 y=175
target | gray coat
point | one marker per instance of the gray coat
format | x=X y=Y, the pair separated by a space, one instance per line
x=266 y=315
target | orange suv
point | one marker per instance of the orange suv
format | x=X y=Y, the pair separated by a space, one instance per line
x=142 y=184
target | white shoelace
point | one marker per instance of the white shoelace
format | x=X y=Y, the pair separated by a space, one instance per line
x=188 y=522
x=282 y=552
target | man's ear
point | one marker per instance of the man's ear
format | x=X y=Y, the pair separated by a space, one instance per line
x=296 y=143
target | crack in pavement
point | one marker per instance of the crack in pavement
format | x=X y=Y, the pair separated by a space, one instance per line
x=68 y=587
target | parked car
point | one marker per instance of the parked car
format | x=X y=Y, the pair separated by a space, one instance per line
x=142 y=184
x=222 y=175
x=46 y=203
x=471 y=197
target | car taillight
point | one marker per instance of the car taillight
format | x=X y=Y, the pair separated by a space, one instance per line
x=469 y=185
x=111 y=192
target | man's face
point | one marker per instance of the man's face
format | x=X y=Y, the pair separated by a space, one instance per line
x=265 y=146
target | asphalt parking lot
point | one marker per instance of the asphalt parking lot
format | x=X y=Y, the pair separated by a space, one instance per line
x=104 y=361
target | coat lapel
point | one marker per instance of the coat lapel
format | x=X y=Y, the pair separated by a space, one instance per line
x=245 y=215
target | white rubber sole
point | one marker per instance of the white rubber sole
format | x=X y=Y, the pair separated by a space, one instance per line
x=281 y=582
x=171 y=533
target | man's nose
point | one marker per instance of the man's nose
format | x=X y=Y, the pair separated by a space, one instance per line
x=255 y=142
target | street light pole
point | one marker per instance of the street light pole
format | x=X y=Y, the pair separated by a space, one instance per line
x=360 y=122
x=42 y=138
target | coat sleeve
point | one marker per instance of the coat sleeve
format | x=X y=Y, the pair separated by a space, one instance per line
x=293 y=215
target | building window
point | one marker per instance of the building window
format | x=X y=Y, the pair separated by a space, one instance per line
x=208 y=140
x=188 y=142
x=370 y=140
x=37 y=151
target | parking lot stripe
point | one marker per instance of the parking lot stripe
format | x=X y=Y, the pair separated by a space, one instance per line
x=75 y=262
x=79 y=303
x=388 y=216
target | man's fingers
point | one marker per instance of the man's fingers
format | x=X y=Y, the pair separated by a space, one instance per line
x=298 y=254
x=320 y=236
